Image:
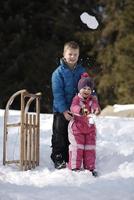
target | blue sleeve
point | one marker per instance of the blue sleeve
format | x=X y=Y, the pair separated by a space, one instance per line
x=58 y=92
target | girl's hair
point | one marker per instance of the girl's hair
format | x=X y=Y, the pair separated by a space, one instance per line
x=71 y=44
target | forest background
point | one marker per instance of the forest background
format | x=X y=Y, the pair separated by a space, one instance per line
x=32 y=35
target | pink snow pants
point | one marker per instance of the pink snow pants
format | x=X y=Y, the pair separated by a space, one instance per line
x=82 y=151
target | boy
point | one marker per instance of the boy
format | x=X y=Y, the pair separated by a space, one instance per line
x=82 y=131
x=64 y=87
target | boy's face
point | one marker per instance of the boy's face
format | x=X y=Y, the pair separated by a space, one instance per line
x=85 y=92
x=71 y=56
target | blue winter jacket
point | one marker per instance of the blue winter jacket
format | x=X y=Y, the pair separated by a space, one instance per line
x=64 y=86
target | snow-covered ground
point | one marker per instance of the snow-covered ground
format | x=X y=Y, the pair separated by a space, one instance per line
x=115 y=163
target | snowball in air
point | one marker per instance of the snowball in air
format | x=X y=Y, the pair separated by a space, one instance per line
x=89 y=20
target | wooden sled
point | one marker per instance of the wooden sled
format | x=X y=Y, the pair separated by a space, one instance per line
x=29 y=126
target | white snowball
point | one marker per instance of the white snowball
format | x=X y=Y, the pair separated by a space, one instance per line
x=89 y=20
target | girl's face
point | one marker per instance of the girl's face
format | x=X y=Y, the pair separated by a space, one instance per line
x=85 y=92
x=71 y=56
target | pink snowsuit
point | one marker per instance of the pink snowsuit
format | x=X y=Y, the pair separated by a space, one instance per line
x=82 y=135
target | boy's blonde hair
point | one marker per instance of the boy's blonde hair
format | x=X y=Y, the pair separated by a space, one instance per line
x=72 y=45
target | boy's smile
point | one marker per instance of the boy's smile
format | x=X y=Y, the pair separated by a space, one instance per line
x=71 y=56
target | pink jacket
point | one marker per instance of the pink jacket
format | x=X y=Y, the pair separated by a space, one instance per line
x=80 y=123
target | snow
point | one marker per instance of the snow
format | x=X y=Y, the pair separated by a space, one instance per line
x=118 y=108
x=115 y=164
x=89 y=20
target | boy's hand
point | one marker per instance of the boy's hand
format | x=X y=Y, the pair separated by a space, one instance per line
x=68 y=115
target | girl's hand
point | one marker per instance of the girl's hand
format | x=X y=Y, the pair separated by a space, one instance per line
x=84 y=111
x=97 y=111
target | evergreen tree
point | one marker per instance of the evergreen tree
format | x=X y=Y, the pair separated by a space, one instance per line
x=115 y=55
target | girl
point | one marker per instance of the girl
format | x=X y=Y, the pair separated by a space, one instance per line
x=81 y=129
